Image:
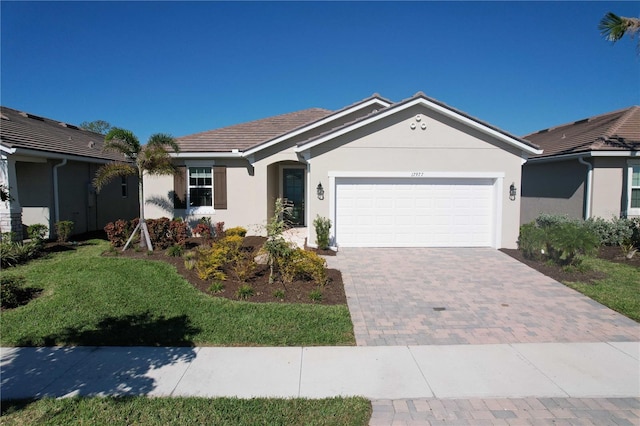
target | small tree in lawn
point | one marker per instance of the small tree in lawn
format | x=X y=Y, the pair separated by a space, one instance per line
x=152 y=158
x=276 y=247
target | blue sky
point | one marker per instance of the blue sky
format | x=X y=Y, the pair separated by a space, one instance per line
x=182 y=68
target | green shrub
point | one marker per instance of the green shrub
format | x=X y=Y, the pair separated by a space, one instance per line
x=63 y=230
x=316 y=295
x=568 y=240
x=612 y=232
x=244 y=292
x=216 y=287
x=635 y=232
x=278 y=294
x=13 y=253
x=238 y=230
x=37 y=232
x=175 y=250
x=322 y=226
x=558 y=239
x=10 y=289
x=532 y=241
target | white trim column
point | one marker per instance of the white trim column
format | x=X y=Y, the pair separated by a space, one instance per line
x=10 y=210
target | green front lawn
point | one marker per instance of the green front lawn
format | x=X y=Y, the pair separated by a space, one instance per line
x=88 y=299
x=619 y=290
x=187 y=411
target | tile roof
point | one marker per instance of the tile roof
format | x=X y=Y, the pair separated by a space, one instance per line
x=28 y=131
x=613 y=131
x=246 y=135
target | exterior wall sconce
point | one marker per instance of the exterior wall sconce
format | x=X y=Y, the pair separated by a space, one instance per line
x=320 y=191
x=512 y=192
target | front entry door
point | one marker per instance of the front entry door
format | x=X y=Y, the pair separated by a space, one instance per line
x=293 y=195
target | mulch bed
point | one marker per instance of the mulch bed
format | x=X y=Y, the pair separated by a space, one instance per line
x=558 y=273
x=296 y=292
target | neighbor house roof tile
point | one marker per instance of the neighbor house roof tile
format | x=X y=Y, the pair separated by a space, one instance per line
x=613 y=131
x=27 y=131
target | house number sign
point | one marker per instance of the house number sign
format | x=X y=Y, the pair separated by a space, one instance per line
x=417 y=174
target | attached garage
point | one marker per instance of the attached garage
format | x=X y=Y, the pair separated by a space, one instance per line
x=423 y=210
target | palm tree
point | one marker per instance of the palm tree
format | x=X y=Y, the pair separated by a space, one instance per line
x=613 y=27
x=152 y=158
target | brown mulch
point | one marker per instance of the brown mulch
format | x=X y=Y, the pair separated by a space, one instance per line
x=558 y=273
x=296 y=292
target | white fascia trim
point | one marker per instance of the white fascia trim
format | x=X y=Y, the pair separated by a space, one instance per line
x=7 y=149
x=56 y=156
x=315 y=125
x=445 y=111
x=563 y=157
x=232 y=154
x=416 y=174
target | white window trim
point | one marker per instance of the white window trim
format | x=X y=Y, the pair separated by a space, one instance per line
x=200 y=210
x=631 y=211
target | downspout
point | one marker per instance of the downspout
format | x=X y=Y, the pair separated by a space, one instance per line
x=587 y=201
x=56 y=197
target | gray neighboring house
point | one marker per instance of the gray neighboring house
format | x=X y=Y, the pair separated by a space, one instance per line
x=589 y=168
x=414 y=173
x=48 y=167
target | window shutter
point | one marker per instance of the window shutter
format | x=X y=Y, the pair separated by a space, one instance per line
x=220 y=187
x=180 y=188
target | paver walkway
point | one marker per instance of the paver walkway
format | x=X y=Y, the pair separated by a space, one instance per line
x=444 y=296
x=508 y=411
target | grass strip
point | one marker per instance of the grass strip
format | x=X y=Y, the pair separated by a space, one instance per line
x=619 y=290
x=187 y=411
x=91 y=300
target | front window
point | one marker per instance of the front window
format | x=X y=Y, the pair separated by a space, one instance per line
x=635 y=187
x=200 y=187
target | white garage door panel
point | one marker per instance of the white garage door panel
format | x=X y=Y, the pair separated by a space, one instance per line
x=396 y=212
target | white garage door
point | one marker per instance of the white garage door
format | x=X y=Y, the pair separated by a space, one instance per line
x=430 y=212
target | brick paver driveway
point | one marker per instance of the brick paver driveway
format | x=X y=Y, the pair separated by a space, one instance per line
x=424 y=296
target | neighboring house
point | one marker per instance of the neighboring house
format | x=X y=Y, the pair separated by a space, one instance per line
x=589 y=168
x=412 y=173
x=49 y=167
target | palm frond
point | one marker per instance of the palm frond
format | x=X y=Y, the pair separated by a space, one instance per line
x=613 y=27
x=123 y=141
x=110 y=171
x=164 y=140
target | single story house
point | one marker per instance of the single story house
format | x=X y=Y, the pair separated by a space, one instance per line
x=405 y=174
x=49 y=167
x=589 y=168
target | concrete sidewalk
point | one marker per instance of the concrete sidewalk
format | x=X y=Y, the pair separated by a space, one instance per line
x=560 y=370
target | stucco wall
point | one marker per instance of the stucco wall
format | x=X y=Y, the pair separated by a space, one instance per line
x=553 y=188
x=445 y=146
x=78 y=201
x=246 y=192
x=609 y=189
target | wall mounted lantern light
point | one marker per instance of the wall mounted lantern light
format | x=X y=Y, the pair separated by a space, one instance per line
x=512 y=192
x=320 y=191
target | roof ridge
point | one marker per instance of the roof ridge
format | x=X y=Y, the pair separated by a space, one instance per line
x=621 y=121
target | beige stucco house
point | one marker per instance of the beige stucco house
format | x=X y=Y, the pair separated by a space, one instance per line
x=589 y=168
x=405 y=174
x=48 y=167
